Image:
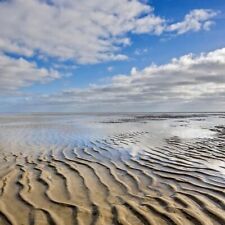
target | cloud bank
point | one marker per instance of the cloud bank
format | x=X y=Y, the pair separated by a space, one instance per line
x=188 y=79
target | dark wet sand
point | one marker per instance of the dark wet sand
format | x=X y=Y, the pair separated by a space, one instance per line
x=47 y=179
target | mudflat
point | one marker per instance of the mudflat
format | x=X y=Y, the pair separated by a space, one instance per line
x=76 y=169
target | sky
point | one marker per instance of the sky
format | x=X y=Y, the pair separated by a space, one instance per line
x=112 y=56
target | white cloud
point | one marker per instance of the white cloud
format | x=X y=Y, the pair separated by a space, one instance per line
x=84 y=31
x=198 y=19
x=19 y=73
x=189 y=78
x=7 y=45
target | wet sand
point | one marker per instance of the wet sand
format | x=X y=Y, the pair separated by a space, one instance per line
x=72 y=169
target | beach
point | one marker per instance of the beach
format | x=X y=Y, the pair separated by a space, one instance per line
x=119 y=169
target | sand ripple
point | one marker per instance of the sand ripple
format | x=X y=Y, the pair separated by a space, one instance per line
x=102 y=182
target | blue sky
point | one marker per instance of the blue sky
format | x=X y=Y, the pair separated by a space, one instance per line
x=64 y=55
